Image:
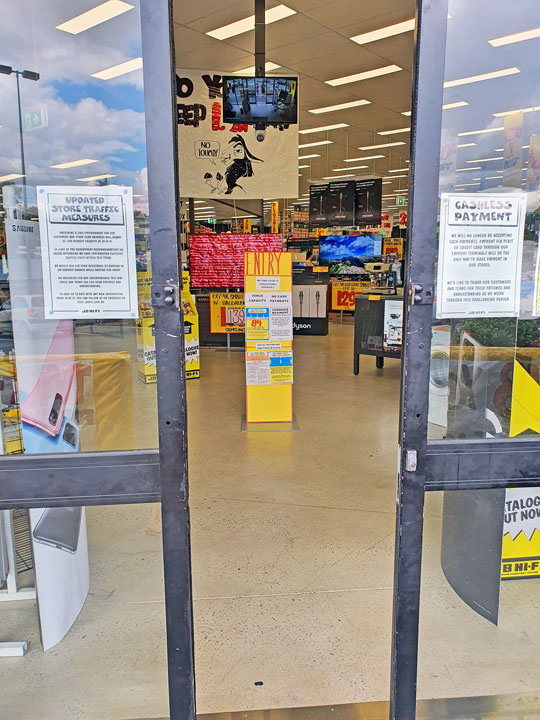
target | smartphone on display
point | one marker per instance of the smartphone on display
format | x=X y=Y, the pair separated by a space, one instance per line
x=45 y=405
x=59 y=528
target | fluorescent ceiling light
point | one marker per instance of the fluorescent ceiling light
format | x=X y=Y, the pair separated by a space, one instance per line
x=11 y=176
x=74 y=163
x=381 y=145
x=515 y=38
x=387 y=182
x=340 y=106
x=446 y=106
x=121 y=69
x=96 y=177
x=468 y=169
x=394 y=132
x=246 y=24
x=525 y=147
x=307 y=157
x=336 y=177
x=354 y=167
x=323 y=128
x=511 y=112
x=483 y=76
x=205 y=207
x=400 y=170
x=386 y=70
x=199 y=202
x=268 y=67
x=479 y=132
x=469 y=145
x=390 y=177
x=468 y=184
x=494 y=177
x=368 y=157
x=485 y=159
x=450 y=106
x=95 y=16
x=315 y=144
x=301 y=167
x=385 y=32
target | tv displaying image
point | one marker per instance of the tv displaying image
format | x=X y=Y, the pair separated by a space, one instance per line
x=267 y=100
x=347 y=254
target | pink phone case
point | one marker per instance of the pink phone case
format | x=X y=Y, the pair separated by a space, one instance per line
x=44 y=407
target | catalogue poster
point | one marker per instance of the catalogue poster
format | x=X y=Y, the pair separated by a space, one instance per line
x=480 y=250
x=393 y=325
x=88 y=252
x=521 y=538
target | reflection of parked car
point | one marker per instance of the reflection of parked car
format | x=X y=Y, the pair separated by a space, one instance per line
x=28 y=310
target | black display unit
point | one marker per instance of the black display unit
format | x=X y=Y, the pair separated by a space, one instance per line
x=369 y=330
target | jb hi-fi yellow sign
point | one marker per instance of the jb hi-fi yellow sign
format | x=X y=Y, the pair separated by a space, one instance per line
x=521 y=536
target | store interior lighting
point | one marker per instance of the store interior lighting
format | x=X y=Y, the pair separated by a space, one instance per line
x=482 y=77
x=340 y=106
x=268 y=67
x=120 y=69
x=367 y=75
x=74 y=163
x=280 y=12
x=94 y=16
x=315 y=144
x=323 y=128
x=515 y=37
x=11 y=176
x=105 y=176
x=394 y=132
x=384 y=32
x=491 y=159
x=480 y=132
x=367 y=157
x=382 y=145
x=307 y=157
x=353 y=167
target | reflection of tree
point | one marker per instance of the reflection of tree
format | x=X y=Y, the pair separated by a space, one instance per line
x=499 y=332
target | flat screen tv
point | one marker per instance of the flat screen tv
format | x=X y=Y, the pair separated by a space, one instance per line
x=347 y=254
x=260 y=100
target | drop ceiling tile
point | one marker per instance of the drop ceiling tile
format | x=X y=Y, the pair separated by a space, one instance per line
x=282 y=33
x=205 y=12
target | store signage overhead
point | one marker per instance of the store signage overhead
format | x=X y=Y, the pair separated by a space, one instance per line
x=480 y=250
x=345 y=203
x=220 y=159
x=88 y=252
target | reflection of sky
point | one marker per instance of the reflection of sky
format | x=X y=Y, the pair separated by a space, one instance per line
x=342 y=246
x=87 y=118
x=469 y=53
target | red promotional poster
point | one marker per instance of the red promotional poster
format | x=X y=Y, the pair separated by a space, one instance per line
x=218 y=260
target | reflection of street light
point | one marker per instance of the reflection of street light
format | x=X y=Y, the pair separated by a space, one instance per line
x=27 y=75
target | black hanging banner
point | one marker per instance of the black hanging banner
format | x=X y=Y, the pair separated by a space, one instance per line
x=368 y=201
x=319 y=205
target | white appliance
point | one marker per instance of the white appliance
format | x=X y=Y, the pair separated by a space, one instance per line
x=438 y=375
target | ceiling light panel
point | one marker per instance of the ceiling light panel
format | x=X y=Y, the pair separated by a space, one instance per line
x=302 y=167
x=96 y=177
x=354 y=167
x=486 y=159
x=368 y=157
x=11 y=176
x=467 y=145
x=268 y=67
x=384 y=32
x=512 y=112
x=446 y=106
x=469 y=169
x=480 y=132
x=336 y=177
x=382 y=145
x=405 y=169
x=121 y=69
x=377 y=72
x=515 y=37
x=340 y=106
x=323 y=128
x=280 y=12
x=483 y=76
x=394 y=132
x=94 y=16
x=307 y=157
x=74 y=163
x=315 y=144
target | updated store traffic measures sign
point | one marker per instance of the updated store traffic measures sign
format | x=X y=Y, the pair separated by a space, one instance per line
x=480 y=249
x=88 y=252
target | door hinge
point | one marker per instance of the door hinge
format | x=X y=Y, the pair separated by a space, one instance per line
x=411 y=461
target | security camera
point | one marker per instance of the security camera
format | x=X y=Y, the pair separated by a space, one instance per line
x=260 y=134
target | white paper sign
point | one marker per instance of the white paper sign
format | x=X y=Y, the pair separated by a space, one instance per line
x=480 y=251
x=88 y=252
x=224 y=160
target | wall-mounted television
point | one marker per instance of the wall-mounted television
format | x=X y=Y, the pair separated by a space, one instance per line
x=347 y=254
x=260 y=100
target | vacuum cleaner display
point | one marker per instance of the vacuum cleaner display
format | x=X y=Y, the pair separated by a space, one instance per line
x=309 y=296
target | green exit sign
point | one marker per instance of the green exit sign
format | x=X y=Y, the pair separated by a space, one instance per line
x=212 y=221
x=401 y=201
x=35 y=119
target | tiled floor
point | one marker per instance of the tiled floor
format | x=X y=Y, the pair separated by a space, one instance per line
x=292 y=539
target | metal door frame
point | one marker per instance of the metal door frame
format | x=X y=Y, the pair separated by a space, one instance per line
x=435 y=465
x=139 y=476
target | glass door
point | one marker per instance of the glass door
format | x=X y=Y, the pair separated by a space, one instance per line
x=470 y=392
x=92 y=373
